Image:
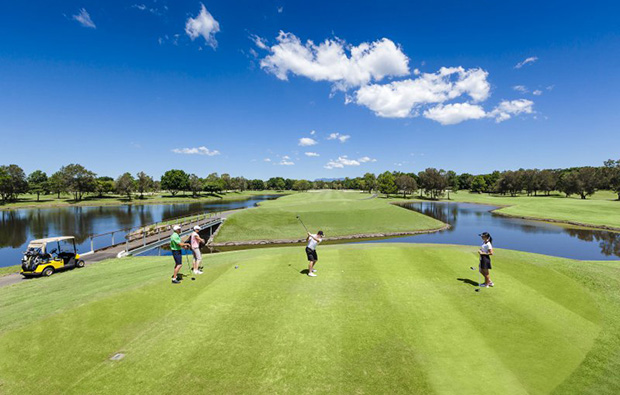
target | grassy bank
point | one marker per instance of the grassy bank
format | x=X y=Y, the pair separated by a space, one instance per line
x=6 y=270
x=30 y=201
x=336 y=213
x=388 y=318
x=600 y=210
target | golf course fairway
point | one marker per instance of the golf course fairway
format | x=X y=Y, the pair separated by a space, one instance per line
x=337 y=213
x=388 y=318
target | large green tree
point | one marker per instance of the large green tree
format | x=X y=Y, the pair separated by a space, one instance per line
x=125 y=185
x=144 y=183
x=57 y=183
x=581 y=182
x=613 y=175
x=103 y=185
x=386 y=183
x=78 y=180
x=213 y=183
x=195 y=184
x=371 y=182
x=406 y=184
x=276 y=183
x=174 y=181
x=478 y=184
x=434 y=182
x=12 y=182
x=37 y=183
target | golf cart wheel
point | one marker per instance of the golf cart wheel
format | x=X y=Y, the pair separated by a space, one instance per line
x=48 y=271
x=80 y=263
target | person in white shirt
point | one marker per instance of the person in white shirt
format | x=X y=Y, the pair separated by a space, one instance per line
x=485 y=252
x=194 y=241
x=313 y=241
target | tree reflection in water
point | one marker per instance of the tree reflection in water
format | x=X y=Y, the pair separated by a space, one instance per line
x=18 y=227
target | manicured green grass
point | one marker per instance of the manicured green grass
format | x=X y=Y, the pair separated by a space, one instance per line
x=599 y=210
x=389 y=318
x=6 y=270
x=336 y=213
x=29 y=200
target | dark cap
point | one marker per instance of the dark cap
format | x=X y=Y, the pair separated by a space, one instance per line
x=484 y=234
x=320 y=232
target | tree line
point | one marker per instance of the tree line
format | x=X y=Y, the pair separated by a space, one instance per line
x=78 y=181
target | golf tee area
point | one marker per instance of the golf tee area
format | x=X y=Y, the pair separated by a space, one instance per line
x=388 y=318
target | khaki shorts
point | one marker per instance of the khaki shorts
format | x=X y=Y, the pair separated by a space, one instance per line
x=197 y=254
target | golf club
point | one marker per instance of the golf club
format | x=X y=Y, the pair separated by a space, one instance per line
x=189 y=267
x=302 y=223
x=473 y=268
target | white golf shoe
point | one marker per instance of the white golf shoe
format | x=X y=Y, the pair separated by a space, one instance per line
x=311 y=274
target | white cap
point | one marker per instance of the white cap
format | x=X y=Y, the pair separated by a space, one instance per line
x=196 y=228
x=176 y=227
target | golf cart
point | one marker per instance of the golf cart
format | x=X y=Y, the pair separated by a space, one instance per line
x=46 y=256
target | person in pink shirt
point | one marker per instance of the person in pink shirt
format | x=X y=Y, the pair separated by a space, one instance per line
x=195 y=241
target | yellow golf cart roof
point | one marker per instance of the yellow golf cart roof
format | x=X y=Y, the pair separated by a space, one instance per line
x=39 y=243
x=52 y=239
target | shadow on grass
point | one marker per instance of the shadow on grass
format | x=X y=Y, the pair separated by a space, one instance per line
x=468 y=281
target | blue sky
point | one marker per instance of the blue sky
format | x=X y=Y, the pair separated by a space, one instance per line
x=234 y=86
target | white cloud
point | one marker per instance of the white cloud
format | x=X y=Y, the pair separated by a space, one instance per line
x=401 y=99
x=344 y=160
x=286 y=161
x=537 y=92
x=341 y=162
x=520 y=88
x=280 y=9
x=196 y=151
x=506 y=109
x=152 y=10
x=267 y=160
x=312 y=133
x=312 y=154
x=307 y=141
x=550 y=87
x=84 y=19
x=531 y=59
x=335 y=61
x=337 y=136
x=203 y=25
x=448 y=96
x=259 y=41
x=451 y=114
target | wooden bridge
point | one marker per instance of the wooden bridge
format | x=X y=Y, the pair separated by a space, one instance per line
x=135 y=241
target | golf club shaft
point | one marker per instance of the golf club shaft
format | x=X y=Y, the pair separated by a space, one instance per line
x=302 y=224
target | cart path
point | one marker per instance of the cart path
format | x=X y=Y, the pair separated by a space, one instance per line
x=98 y=256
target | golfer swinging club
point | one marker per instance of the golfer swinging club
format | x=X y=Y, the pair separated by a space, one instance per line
x=195 y=240
x=177 y=254
x=485 y=252
x=313 y=241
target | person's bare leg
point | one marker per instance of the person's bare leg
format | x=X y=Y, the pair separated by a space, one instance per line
x=176 y=271
x=485 y=273
x=310 y=266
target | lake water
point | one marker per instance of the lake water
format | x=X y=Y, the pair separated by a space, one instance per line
x=468 y=220
x=18 y=227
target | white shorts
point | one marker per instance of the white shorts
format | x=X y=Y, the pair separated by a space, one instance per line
x=197 y=254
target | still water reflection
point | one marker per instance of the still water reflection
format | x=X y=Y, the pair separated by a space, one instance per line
x=17 y=227
x=468 y=220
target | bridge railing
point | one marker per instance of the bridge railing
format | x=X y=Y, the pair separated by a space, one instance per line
x=159 y=229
